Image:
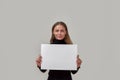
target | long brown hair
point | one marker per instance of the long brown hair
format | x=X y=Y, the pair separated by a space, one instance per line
x=67 y=37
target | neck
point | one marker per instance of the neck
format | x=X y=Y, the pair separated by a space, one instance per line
x=56 y=41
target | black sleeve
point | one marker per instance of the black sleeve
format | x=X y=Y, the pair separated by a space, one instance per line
x=42 y=70
x=75 y=71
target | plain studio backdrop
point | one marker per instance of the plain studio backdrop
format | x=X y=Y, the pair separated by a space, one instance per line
x=92 y=24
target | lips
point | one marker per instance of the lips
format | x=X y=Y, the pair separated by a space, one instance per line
x=59 y=36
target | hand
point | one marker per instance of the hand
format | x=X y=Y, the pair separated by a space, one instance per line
x=39 y=60
x=79 y=61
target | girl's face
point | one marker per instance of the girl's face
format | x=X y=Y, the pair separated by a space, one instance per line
x=59 y=32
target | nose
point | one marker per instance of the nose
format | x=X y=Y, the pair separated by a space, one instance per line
x=59 y=32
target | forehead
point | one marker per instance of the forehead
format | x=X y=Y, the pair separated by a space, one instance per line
x=59 y=27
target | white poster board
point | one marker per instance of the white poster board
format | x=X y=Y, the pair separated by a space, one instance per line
x=59 y=56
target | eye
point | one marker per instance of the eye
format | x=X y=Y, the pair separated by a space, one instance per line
x=56 y=30
x=62 y=30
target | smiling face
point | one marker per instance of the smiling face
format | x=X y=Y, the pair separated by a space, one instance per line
x=59 y=32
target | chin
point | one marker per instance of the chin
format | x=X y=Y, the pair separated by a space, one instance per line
x=60 y=38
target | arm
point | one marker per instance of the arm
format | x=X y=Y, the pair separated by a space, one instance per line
x=42 y=70
x=78 y=61
x=38 y=62
x=75 y=71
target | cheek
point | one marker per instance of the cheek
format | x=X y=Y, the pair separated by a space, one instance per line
x=63 y=34
x=55 y=34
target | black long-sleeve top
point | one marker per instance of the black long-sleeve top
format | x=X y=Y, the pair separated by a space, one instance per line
x=59 y=74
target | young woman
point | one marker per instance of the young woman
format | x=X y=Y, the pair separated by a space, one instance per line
x=60 y=35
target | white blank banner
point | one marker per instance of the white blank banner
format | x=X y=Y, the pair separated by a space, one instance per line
x=59 y=56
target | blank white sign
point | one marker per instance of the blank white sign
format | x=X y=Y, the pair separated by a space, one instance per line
x=59 y=56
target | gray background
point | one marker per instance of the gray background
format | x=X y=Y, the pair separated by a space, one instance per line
x=93 y=25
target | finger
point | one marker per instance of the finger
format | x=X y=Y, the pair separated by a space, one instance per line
x=79 y=61
x=77 y=56
x=40 y=56
x=38 y=60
